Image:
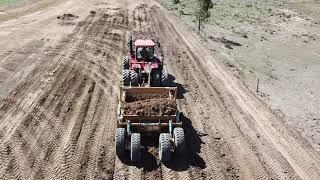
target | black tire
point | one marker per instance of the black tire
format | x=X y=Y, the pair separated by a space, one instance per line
x=120 y=141
x=125 y=62
x=126 y=77
x=164 y=147
x=164 y=78
x=134 y=78
x=179 y=140
x=135 y=153
x=156 y=79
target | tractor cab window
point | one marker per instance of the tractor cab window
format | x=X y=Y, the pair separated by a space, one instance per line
x=145 y=53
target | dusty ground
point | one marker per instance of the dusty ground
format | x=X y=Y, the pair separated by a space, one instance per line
x=59 y=85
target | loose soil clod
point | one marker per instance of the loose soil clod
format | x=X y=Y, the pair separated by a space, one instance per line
x=68 y=17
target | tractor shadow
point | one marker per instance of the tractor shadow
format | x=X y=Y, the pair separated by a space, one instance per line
x=180 y=88
x=150 y=156
x=192 y=137
x=193 y=147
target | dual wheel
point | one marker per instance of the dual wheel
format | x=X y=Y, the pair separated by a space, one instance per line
x=129 y=77
x=135 y=144
x=165 y=144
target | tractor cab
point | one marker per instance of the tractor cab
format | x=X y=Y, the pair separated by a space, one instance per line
x=144 y=50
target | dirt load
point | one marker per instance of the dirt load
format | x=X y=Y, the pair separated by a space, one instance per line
x=140 y=97
x=149 y=104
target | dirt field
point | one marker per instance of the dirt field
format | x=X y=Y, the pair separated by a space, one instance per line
x=58 y=99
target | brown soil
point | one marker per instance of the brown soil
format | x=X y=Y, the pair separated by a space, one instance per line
x=139 y=97
x=154 y=106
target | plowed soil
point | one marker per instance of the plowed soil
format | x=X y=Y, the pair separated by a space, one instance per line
x=58 y=101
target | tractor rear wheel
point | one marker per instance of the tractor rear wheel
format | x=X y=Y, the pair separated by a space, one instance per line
x=156 y=79
x=135 y=153
x=179 y=140
x=164 y=78
x=125 y=62
x=164 y=147
x=126 y=77
x=133 y=78
x=120 y=141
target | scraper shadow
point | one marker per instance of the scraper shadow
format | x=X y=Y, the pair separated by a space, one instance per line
x=180 y=88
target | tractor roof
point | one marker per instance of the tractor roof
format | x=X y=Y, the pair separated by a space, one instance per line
x=142 y=42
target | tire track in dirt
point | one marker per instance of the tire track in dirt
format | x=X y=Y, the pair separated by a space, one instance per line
x=87 y=133
x=106 y=155
x=58 y=106
x=35 y=79
x=44 y=120
x=66 y=166
x=111 y=26
x=91 y=149
x=86 y=63
x=37 y=120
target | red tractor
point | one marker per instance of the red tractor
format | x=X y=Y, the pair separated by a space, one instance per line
x=143 y=67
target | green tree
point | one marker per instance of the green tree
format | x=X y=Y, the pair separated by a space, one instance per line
x=202 y=12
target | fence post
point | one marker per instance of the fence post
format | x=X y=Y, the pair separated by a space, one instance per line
x=258 y=85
